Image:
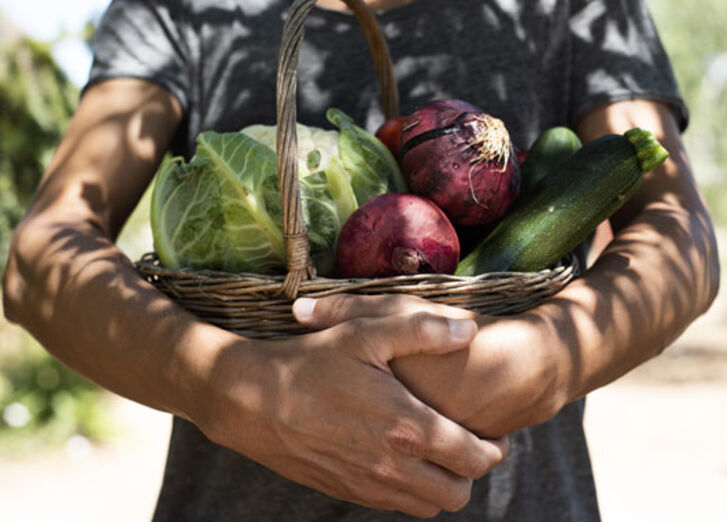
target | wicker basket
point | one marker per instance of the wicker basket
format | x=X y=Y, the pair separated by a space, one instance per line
x=259 y=306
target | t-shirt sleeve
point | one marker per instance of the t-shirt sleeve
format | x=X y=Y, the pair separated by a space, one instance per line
x=617 y=55
x=141 y=39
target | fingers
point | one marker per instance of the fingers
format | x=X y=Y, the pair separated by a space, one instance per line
x=446 y=490
x=434 y=438
x=431 y=460
x=428 y=486
x=328 y=311
x=379 y=340
x=404 y=502
x=412 y=428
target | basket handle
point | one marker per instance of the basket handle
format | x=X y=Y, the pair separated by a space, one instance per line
x=297 y=249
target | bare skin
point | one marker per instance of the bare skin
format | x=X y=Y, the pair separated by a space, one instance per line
x=326 y=411
x=658 y=274
x=68 y=285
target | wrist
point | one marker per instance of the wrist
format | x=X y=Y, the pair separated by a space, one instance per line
x=556 y=363
x=534 y=364
x=230 y=388
x=200 y=362
x=570 y=333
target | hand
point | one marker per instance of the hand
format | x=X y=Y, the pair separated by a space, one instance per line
x=513 y=374
x=325 y=410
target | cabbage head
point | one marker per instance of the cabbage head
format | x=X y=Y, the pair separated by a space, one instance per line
x=222 y=209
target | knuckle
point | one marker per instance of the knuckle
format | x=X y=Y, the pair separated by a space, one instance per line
x=489 y=459
x=334 y=308
x=406 y=438
x=355 y=334
x=352 y=333
x=460 y=498
x=418 y=327
x=383 y=473
x=478 y=466
x=425 y=327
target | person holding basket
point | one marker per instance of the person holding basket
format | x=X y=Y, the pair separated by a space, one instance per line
x=394 y=406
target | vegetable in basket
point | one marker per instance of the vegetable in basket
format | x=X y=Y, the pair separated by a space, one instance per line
x=553 y=147
x=222 y=209
x=389 y=133
x=462 y=159
x=579 y=194
x=395 y=234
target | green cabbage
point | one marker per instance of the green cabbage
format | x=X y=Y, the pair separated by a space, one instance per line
x=222 y=209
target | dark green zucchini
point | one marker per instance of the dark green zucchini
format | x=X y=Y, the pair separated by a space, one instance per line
x=552 y=148
x=582 y=192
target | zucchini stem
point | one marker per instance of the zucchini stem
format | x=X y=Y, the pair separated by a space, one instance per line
x=648 y=149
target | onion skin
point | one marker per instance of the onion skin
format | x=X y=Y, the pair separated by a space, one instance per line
x=396 y=234
x=462 y=159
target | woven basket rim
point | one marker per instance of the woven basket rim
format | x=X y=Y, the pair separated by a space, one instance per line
x=151 y=259
x=259 y=305
x=254 y=306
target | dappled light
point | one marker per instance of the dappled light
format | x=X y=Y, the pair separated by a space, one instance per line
x=377 y=397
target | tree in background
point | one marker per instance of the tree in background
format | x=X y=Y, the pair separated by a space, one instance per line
x=36 y=103
x=696 y=41
x=42 y=403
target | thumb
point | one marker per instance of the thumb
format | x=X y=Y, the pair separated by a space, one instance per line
x=325 y=312
x=386 y=338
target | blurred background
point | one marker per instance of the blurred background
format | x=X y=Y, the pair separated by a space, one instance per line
x=69 y=451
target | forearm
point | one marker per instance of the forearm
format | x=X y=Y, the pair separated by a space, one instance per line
x=655 y=278
x=652 y=281
x=69 y=286
x=659 y=273
x=294 y=406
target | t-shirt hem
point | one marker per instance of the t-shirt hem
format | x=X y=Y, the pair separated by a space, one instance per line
x=175 y=90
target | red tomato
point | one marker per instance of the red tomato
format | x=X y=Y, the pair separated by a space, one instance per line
x=521 y=155
x=390 y=134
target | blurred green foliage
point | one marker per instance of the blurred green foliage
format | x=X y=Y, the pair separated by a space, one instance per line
x=43 y=403
x=695 y=38
x=36 y=103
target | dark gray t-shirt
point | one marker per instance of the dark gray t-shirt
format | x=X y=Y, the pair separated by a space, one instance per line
x=533 y=64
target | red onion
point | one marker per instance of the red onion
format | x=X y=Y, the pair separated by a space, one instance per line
x=396 y=234
x=462 y=159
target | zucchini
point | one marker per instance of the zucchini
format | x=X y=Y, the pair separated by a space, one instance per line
x=582 y=192
x=552 y=148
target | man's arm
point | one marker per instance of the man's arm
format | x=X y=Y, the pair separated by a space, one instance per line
x=323 y=410
x=65 y=281
x=660 y=272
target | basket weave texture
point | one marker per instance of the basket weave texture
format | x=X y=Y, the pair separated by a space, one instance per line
x=259 y=306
